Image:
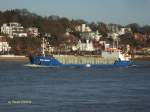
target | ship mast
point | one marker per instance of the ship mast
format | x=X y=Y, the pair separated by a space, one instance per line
x=43 y=46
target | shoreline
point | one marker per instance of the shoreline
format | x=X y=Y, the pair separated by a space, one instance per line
x=26 y=59
x=13 y=58
x=141 y=58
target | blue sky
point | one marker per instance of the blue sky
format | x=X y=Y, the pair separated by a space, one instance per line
x=109 y=11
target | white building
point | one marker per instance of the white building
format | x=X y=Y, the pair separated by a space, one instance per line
x=84 y=46
x=95 y=35
x=106 y=45
x=124 y=30
x=13 y=29
x=4 y=46
x=83 y=28
x=33 y=31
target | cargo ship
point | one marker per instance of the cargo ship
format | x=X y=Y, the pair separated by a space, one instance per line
x=113 y=58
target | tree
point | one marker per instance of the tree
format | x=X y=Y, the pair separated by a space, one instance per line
x=134 y=27
x=102 y=28
x=25 y=46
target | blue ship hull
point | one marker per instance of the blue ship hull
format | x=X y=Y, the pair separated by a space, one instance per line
x=46 y=61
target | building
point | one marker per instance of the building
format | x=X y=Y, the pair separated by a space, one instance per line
x=84 y=45
x=122 y=31
x=83 y=28
x=33 y=31
x=141 y=37
x=95 y=35
x=104 y=44
x=13 y=29
x=4 y=46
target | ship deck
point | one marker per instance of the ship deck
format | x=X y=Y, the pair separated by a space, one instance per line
x=88 y=59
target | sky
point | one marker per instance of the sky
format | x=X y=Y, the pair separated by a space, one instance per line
x=109 y=11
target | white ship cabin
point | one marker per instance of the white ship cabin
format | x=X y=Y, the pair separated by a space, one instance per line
x=114 y=53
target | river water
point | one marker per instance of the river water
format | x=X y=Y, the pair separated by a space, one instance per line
x=24 y=89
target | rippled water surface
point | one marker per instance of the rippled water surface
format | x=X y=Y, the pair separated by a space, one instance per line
x=74 y=89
